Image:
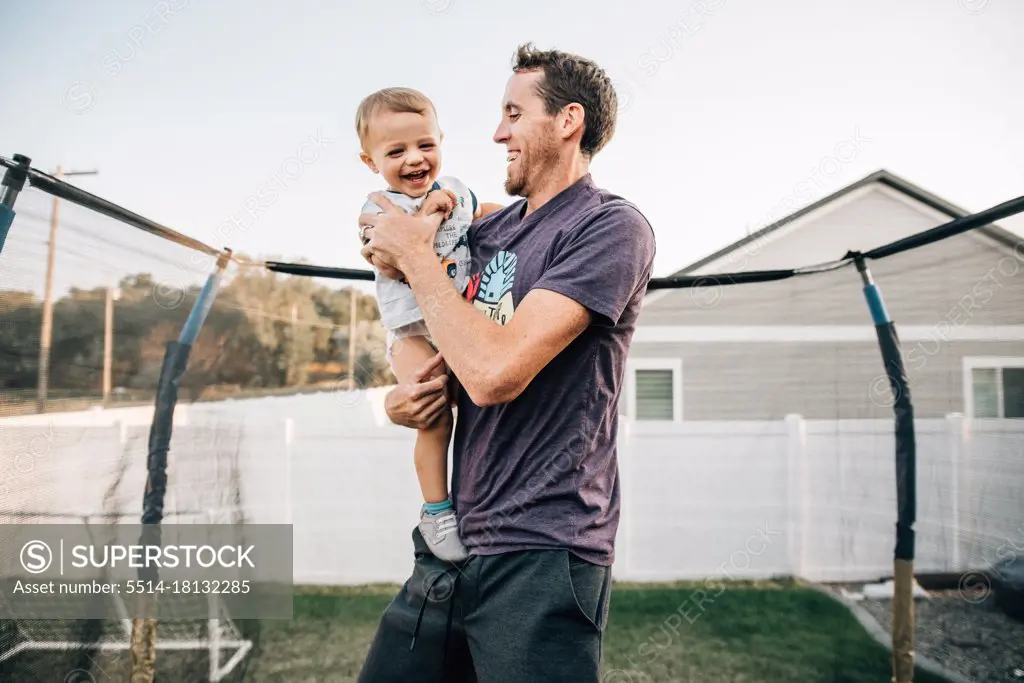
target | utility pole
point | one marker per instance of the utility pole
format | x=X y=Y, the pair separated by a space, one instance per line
x=113 y=294
x=352 y=340
x=293 y=348
x=46 y=334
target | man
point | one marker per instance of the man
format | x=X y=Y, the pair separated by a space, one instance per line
x=535 y=477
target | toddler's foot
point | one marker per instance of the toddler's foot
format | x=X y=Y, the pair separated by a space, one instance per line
x=441 y=532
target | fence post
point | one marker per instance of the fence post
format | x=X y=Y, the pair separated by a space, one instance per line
x=213 y=637
x=955 y=422
x=289 y=438
x=123 y=464
x=624 y=537
x=966 y=485
x=796 y=452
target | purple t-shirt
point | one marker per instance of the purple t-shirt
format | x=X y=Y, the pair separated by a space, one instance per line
x=541 y=471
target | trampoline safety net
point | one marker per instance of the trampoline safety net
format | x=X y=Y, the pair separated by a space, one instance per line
x=868 y=405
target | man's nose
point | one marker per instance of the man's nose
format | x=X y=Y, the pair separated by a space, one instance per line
x=501 y=134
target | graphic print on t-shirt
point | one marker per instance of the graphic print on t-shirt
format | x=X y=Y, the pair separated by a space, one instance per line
x=491 y=290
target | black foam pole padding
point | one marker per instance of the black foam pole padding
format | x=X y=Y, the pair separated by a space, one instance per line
x=150 y=536
x=175 y=362
x=17 y=172
x=718 y=279
x=672 y=282
x=906 y=445
x=319 y=271
x=63 y=190
x=677 y=281
x=953 y=227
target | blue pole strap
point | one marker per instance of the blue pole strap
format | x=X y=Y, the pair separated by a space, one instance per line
x=203 y=304
x=6 y=218
x=871 y=292
x=199 y=311
x=876 y=305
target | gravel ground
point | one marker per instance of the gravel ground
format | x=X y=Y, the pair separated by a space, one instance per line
x=975 y=639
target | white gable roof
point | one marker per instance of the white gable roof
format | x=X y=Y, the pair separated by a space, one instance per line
x=860 y=208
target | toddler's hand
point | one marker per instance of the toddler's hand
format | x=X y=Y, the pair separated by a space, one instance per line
x=441 y=202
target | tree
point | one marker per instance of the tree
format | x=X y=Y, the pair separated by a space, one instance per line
x=263 y=331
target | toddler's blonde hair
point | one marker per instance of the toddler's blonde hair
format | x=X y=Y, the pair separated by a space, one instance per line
x=399 y=100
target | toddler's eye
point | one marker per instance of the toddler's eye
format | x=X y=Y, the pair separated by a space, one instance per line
x=427 y=145
x=395 y=153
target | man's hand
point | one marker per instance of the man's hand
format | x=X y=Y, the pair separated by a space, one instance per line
x=392 y=237
x=418 y=402
x=385 y=270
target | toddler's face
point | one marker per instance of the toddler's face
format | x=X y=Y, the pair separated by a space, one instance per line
x=405 y=148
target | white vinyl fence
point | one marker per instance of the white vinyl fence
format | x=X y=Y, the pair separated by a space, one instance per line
x=700 y=499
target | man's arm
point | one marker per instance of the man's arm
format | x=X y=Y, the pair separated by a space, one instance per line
x=596 y=272
x=494 y=363
x=598 y=269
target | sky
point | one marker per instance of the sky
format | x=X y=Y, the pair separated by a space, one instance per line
x=188 y=109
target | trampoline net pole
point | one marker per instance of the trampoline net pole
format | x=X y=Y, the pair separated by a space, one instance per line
x=143 y=636
x=906 y=504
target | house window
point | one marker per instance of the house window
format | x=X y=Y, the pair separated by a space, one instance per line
x=654 y=395
x=655 y=389
x=994 y=387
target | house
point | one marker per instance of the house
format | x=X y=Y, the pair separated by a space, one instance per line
x=807 y=344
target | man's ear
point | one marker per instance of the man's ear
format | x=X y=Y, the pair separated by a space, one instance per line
x=365 y=158
x=572 y=120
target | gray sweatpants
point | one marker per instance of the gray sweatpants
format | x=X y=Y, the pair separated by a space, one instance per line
x=533 y=616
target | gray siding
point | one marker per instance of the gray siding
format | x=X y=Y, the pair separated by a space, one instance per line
x=766 y=381
x=968 y=279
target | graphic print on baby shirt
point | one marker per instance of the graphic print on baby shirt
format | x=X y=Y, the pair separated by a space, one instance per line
x=491 y=290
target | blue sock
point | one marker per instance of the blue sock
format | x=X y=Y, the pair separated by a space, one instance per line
x=438 y=508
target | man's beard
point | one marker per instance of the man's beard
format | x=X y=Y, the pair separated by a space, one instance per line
x=539 y=159
x=515 y=184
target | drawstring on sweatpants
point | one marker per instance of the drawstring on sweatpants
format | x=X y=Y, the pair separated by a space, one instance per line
x=423 y=607
x=448 y=625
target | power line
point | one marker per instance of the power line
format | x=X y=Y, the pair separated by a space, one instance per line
x=283 y=319
x=88 y=234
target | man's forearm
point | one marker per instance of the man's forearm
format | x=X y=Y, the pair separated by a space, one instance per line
x=472 y=345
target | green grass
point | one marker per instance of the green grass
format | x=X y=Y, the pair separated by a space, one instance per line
x=765 y=632
x=769 y=632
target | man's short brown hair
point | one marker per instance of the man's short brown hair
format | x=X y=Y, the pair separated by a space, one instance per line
x=570 y=78
x=398 y=100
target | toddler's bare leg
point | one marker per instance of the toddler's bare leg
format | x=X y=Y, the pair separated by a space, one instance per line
x=431 y=451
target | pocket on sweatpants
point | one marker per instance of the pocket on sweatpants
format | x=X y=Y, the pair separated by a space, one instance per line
x=590 y=584
x=432 y=581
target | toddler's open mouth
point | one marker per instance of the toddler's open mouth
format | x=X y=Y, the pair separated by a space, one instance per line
x=415 y=178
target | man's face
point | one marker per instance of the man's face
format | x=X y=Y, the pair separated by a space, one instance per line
x=405 y=148
x=528 y=134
